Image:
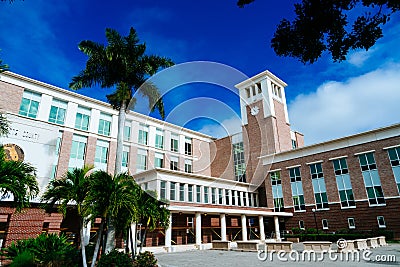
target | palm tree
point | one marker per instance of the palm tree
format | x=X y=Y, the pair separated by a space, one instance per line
x=122 y=64
x=18 y=179
x=113 y=198
x=72 y=187
x=4 y=125
x=152 y=213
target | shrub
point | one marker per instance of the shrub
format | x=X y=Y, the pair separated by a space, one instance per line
x=23 y=259
x=145 y=259
x=115 y=258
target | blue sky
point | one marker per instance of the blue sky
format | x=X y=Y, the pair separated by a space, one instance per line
x=326 y=100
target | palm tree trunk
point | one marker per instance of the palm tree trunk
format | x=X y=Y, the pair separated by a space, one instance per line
x=98 y=241
x=143 y=239
x=110 y=242
x=83 y=244
x=133 y=240
x=120 y=137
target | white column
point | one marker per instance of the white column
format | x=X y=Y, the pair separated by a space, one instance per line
x=168 y=232
x=44 y=108
x=223 y=227
x=198 y=228
x=132 y=241
x=262 y=231
x=277 y=231
x=244 y=228
x=86 y=232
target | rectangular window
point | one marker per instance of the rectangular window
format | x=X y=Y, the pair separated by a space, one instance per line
x=101 y=156
x=190 y=193
x=239 y=162
x=394 y=157
x=277 y=194
x=172 y=191
x=297 y=189
x=381 y=222
x=325 y=224
x=125 y=156
x=181 y=192
x=205 y=194
x=234 y=198
x=163 y=190
x=78 y=148
x=352 y=223
x=198 y=193
x=318 y=182
x=294 y=144
x=220 y=196
x=159 y=138
x=174 y=142
x=213 y=196
x=143 y=134
x=82 y=118
x=188 y=146
x=141 y=161
x=301 y=225
x=371 y=178
x=188 y=165
x=57 y=111
x=173 y=165
x=227 y=193
x=159 y=160
x=343 y=182
x=127 y=131
x=105 y=124
x=239 y=198
x=30 y=104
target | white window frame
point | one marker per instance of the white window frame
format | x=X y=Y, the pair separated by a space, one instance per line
x=384 y=222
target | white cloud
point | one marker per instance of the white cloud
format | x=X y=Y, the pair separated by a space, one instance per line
x=338 y=109
x=227 y=127
x=360 y=57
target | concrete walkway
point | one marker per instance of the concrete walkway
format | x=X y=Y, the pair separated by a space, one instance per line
x=382 y=256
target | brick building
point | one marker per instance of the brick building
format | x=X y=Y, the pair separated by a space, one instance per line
x=251 y=185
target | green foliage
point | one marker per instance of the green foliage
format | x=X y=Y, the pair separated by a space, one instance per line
x=115 y=258
x=4 y=124
x=333 y=26
x=18 y=179
x=145 y=259
x=45 y=250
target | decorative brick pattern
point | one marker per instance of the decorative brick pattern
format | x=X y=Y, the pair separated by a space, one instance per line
x=10 y=97
x=65 y=151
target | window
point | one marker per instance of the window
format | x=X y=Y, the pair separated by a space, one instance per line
x=220 y=196
x=343 y=182
x=188 y=165
x=181 y=192
x=104 y=124
x=381 y=222
x=173 y=165
x=227 y=193
x=30 y=104
x=318 y=182
x=57 y=154
x=143 y=134
x=301 y=225
x=198 y=193
x=141 y=161
x=125 y=156
x=213 y=196
x=234 y=197
x=127 y=131
x=57 y=111
x=294 y=144
x=159 y=160
x=100 y=159
x=239 y=161
x=77 y=156
x=277 y=190
x=159 y=138
x=82 y=118
x=352 y=223
x=172 y=191
x=259 y=88
x=239 y=198
x=190 y=193
x=371 y=178
x=248 y=92
x=163 y=190
x=394 y=156
x=188 y=146
x=325 y=224
x=206 y=194
x=297 y=189
x=174 y=142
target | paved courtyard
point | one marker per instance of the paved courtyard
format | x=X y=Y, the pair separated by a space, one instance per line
x=382 y=256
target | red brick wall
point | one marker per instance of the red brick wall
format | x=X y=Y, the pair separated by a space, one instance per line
x=283 y=141
x=10 y=97
x=90 y=150
x=65 y=151
x=222 y=165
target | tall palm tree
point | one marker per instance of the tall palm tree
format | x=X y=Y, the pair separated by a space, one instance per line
x=18 y=179
x=113 y=198
x=122 y=64
x=72 y=187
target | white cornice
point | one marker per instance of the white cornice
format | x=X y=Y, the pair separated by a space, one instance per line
x=256 y=78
